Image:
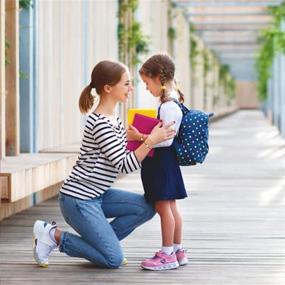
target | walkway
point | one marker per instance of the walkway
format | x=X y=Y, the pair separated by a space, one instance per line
x=234 y=220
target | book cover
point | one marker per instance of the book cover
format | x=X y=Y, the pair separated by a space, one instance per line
x=143 y=124
x=147 y=112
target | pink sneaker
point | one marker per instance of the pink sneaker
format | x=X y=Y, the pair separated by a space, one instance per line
x=181 y=257
x=161 y=261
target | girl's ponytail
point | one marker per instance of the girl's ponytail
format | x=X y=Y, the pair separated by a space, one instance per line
x=86 y=99
x=181 y=96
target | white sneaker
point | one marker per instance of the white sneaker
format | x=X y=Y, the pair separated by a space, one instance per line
x=43 y=244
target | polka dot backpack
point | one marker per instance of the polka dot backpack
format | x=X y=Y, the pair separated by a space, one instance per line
x=191 y=143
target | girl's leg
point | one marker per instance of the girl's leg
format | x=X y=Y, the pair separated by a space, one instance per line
x=178 y=222
x=129 y=211
x=163 y=208
x=177 y=246
x=97 y=241
x=166 y=258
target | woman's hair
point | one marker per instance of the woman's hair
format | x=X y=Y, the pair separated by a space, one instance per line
x=161 y=65
x=106 y=72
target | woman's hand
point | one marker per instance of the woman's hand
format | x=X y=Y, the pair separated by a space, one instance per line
x=133 y=134
x=162 y=133
x=158 y=134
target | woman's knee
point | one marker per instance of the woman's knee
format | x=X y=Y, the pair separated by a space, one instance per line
x=114 y=261
x=148 y=211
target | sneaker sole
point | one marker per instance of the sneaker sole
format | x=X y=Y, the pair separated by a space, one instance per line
x=43 y=265
x=36 y=233
x=125 y=261
x=162 y=267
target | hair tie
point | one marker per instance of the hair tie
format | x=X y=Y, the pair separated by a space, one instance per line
x=163 y=87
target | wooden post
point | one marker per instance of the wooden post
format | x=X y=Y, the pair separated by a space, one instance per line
x=2 y=79
x=12 y=78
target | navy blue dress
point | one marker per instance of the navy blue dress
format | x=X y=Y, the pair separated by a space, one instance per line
x=161 y=176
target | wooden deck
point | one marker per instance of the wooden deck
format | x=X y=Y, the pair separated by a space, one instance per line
x=234 y=220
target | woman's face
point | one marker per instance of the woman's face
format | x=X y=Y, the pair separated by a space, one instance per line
x=153 y=85
x=123 y=89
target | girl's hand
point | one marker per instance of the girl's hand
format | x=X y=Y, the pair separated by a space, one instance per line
x=162 y=133
x=133 y=134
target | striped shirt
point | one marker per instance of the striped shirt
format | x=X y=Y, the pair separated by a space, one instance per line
x=103 y=155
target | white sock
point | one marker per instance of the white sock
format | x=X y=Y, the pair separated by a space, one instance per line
x=177 y=246
x=51 y=234
x=167 y=249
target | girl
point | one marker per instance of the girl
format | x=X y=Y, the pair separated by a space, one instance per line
x=86 y=198
x=161 y=175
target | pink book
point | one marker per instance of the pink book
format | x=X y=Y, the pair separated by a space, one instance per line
x=144 y=125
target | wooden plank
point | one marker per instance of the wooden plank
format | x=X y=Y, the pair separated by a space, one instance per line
x=31 y=173
x=8 y=209
x=233 y=220
x=2 y=79
x=12 y=78
x=4 y=186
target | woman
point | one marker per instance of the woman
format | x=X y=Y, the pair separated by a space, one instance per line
x=86 y=198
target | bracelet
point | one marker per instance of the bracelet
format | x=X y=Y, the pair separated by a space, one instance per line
x=147 y=146
x=142 y=138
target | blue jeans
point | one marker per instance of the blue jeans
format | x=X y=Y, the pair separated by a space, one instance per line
x=98 y=240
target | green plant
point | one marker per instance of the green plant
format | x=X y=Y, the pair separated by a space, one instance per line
x=171 y=33
x=192 y=28
x=25 y=4
x=206 y=61
x=272 y=41
x=194 y=52
x=24 y=75
x=132 y=41
x=206 y=69
x=227 y=81
x=231 y=87
x=7 y=46
x=210 y=60
x=223 y=73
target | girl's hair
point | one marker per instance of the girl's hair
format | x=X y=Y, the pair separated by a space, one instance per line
x=161 y=65
x=106 y=72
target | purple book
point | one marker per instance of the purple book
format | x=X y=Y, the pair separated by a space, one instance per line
x=144 y=125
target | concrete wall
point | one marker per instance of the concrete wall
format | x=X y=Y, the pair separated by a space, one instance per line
x=72 y=36
x=275 y=104
x=154 y=22
x=182 y=54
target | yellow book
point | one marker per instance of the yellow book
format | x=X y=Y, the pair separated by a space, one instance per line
x=146 y=112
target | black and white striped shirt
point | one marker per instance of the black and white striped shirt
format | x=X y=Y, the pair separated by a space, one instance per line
x=103 y=155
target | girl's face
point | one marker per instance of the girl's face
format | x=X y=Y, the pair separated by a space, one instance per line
x=122 y=90
x=153 y=85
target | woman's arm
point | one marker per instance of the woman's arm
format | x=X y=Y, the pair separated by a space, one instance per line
x=158 y=134
x=169 y=112
x=127 y=162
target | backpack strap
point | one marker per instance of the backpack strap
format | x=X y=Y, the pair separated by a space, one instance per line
x=158 y=111
x=183 y=108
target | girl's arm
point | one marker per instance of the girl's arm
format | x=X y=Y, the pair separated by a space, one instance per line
x=170 y=112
